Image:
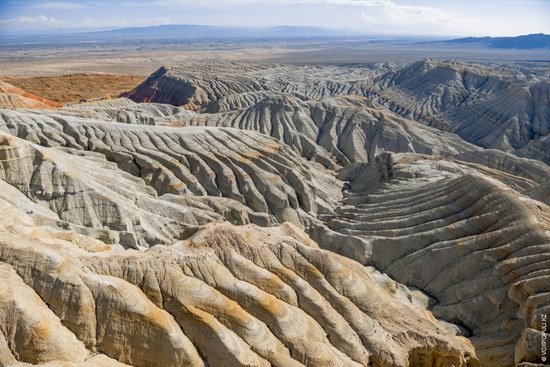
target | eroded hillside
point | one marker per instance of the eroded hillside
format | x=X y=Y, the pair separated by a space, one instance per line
x=280 y=215
x=497 y=107
x=75 y=88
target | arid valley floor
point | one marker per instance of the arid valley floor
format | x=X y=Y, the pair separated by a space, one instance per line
x=276 y=205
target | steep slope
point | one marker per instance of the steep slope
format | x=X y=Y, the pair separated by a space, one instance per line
x=350 y=129
x=136 y=186
x=529 y=177
x=537 y=148
x=456 y=231
x=341 y=129
x=154 y=235
x=500 y=107
x=192 y=167
x=229 y=296
x=92 y=196
x=196 y=85
x=13 y=97
x=126 y=111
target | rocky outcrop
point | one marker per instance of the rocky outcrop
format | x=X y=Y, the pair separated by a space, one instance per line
x=126 y=111
x=197 y=85
x=259 y=228
x=498 y=107
x=148 y=186
x=351 y=129
x=227 y=296
x=494 y=107
x=13 y=97
x=460 y=234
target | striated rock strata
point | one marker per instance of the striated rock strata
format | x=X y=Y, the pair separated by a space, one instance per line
x=499 y=107
x=228 y=295
x=13 y=97
x=297 y=216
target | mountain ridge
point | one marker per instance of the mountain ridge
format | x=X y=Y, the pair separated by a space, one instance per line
x=525 y=42
x=270 y=214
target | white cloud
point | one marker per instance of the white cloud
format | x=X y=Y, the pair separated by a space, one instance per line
x=408 y=13
x=118 y=22
x=59 y=5
x=386 y=16
x=42 y=21
x=39 y=20
x=367 y=18
x=389 y=10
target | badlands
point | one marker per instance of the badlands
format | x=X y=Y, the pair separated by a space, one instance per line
x=227 y=214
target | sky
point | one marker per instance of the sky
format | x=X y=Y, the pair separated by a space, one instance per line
x=384 y=17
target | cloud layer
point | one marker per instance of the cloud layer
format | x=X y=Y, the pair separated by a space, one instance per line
x=59 y=5
x=432 y=17
x=45 y=22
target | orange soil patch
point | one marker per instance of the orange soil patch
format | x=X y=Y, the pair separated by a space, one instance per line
x=76 y=88
x=13 y=97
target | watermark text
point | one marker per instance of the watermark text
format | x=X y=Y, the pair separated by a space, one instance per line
x=543 y=328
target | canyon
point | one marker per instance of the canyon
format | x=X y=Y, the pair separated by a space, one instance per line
x=230 y=214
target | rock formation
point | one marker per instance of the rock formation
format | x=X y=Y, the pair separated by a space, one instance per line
x=504 y=107
x=417 y=210
x=351 y=129
x=227 y=295
x=13 y=97
x=279 y=215
x=120 y=177
x=493 y=107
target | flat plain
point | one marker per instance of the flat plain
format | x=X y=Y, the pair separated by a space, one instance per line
x=142 y=58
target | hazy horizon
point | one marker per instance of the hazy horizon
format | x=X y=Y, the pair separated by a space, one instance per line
x=377 y=17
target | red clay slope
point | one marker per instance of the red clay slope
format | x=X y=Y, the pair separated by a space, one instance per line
x=13 y=97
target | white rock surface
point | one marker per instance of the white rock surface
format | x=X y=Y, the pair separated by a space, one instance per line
x=499 y=107
x=226 y=296
x=151 y=235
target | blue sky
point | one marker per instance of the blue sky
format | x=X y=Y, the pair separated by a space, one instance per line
x=415 y=17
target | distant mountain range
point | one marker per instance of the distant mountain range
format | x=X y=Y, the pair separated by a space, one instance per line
x=173 y=32
x=194 y=32
x=204 y=31
x=529 y=41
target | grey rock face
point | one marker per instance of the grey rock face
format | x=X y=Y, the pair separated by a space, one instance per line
x=239 y=175
x=291 y=219
x=226 y=296
x=461 y=234
x=200 y=84
x=500 y=108
x=350 y=129
x=503 y=108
